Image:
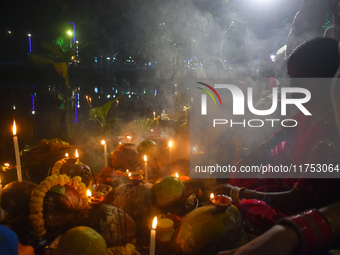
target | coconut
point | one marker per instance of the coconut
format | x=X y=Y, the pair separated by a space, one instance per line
x=77 y=169
x=124 y=158
x=167 y=191
x=15 y=198
x=209 y=228
x=136 y=200
x=81 y=240
x=115 y=225
x=61 y=208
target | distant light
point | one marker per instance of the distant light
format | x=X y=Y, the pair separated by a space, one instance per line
x=10 y=32
x=13 y=107
x=33 y=112
x=176 y=93
x=175 y=85
x=129 y=96
x=149 y=64
x=69 y=32
x=29 y=35
x=113 y=88
x=129 y=57
x=155 y=92
x=273 y=57
x=108 y=96
x=95 y=90
x=116 y=91
x=144 y=92
x=114 y=96
x=95 y=59
x=77 y=41
x=108 y=58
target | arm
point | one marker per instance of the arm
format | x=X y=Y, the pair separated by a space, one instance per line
x=286 y=239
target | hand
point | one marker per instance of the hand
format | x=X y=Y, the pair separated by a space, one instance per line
x=224 y=189
x=279 y=240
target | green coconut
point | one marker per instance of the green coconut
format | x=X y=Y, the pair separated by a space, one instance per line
x=167 y=191
x=149 y=148
x=207 y=228
x=81 y=240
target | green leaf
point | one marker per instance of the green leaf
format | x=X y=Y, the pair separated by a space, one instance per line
x=58 y=189
x=41 y=59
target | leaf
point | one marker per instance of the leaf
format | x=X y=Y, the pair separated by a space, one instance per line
x=41 y=59
x=100 y=113
x=58 y=189
x=53 y=48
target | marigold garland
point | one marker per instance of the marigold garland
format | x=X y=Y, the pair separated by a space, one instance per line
x=39 y=192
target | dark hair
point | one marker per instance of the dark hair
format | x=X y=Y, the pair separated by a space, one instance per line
x=315 y=58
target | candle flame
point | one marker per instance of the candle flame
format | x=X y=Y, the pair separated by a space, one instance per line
x=127 y=170
x=212 y=196
x=176 y=174
x=77 y=155
x=88 y=193
x=145 y=158
x=14 y=128
x=154 y=223
x=128 y=137
x=66 y=155
x=6 y=164
x=129 y=174
x=154 y=113
x=103 y=142
x=170 y=143
x=194 y=149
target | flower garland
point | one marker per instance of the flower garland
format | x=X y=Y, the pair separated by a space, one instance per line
x=39 y=192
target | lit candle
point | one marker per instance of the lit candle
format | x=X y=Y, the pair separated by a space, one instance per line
x=66 y=155
x=88 y=193
x=154 y=115
x=146 y=169
x=212 y=197
x=170 y=145
x=105 y=152
x=77 y=155
x=16 y=149
x=129 y=138
x=153 y=236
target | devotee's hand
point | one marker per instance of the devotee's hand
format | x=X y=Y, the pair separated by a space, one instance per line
x=224 y=189
x=25 y=249
x=279 y=240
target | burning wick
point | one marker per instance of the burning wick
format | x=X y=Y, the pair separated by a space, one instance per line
x=170 y=146
x=66 y=155
x=77 y=155
x=176 y=174
x=129 y=174
x=212 y=198
x=88 y=193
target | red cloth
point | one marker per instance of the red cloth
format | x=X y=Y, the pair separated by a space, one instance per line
x=300 y=148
